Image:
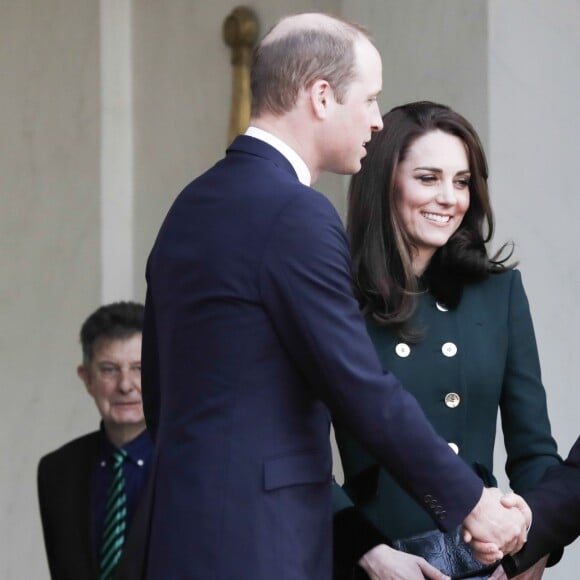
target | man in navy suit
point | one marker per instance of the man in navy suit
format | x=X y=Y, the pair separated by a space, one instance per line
x=252 y=337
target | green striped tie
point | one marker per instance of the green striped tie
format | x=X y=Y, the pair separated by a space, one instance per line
x=115 y=518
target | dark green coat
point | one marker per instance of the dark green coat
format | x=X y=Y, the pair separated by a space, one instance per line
x=472 y=361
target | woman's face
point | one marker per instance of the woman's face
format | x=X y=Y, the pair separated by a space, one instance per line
x=432 y=185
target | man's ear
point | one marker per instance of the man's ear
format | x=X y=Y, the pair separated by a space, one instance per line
x=321 y=98
x=85 y=376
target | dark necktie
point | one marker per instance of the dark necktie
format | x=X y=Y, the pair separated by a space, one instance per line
x=115 y=518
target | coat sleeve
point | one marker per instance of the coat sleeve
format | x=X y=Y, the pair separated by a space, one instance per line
x=305 y=284
x=555 y=504
x=531 y=449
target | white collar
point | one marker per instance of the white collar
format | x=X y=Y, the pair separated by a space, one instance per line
x=295 y=160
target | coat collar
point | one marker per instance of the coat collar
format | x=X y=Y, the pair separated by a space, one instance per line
x=259 y=148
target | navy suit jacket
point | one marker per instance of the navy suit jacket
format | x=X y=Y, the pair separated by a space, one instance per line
x=555 y=504
x=252 y=335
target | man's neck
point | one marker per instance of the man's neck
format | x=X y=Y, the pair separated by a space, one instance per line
x=286 y=128
x=120 y=435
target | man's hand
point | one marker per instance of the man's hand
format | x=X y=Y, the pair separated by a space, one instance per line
x=513 y=500
x=495 y=529
x=385 y=563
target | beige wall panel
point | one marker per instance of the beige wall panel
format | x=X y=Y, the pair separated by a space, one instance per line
x=49 y=232
x=432 y=50
x=534 y=150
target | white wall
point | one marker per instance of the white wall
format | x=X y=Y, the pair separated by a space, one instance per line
x=513 y=74
x=534 y=89
x=49 y=235
x=434 y=50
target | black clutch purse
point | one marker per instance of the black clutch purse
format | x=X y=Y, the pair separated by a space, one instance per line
x=446 y=552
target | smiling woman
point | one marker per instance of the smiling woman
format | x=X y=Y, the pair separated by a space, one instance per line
x=433 y=186
x=451 y=322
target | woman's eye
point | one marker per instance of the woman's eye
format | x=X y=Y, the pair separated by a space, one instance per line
x=427 y=178
x=462 y=183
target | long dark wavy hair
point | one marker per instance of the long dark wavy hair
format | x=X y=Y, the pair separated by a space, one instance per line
x=384 y=282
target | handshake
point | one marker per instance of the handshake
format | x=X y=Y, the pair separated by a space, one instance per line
x=497 y=526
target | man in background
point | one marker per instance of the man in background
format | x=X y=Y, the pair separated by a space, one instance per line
x=89 y=489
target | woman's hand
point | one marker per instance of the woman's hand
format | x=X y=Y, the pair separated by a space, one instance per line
x=385 y=563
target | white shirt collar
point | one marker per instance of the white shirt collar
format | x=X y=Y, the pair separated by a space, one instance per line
x=295 y=160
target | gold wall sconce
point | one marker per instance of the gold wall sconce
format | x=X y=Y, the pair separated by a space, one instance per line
x=240 y=31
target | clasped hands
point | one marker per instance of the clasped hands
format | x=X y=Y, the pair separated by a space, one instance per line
x=497 y=526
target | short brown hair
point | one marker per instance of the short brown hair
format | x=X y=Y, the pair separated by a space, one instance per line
x=284 y=65
x=119 y=320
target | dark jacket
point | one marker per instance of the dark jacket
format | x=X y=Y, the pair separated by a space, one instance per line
x=65 y=481
x=473 y=360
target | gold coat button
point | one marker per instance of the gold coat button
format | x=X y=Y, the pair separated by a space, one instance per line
x=455 y=447
x=452 y=400
x=403 y=350
x=449 y=349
